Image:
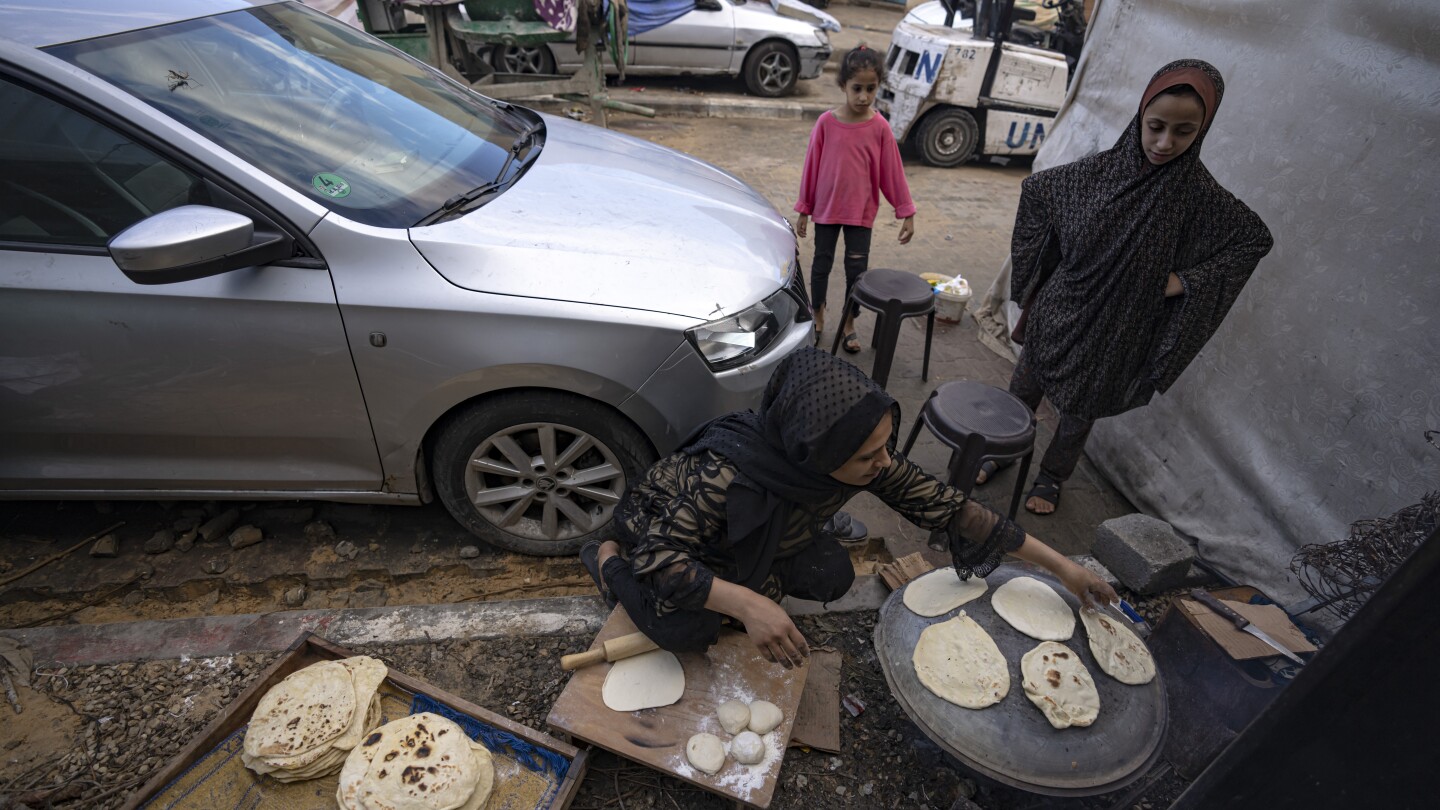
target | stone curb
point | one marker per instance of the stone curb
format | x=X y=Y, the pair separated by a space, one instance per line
x=204 y=637
x=697 y=107
x=77 y=645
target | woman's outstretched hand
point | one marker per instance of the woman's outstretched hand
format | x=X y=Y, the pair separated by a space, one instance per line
x=768 y=625
x=1079 y=580
x=1088 y=586
x=775 y=633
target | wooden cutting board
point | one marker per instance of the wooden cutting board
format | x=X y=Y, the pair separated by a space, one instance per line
x=732 y=669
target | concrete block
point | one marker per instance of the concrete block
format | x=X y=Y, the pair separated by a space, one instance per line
x=1143 y=552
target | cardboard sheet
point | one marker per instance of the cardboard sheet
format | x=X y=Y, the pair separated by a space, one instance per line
x=901 y=571
x=1240 y=644
x=817 y=719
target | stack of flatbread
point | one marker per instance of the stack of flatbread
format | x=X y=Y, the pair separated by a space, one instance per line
x=420 y=762
x=305 y=726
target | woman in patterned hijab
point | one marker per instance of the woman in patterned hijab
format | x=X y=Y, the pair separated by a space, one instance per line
x=1126 y=262
x=733 y=521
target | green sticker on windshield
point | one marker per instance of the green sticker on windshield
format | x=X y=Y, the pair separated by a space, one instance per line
x=331 y=185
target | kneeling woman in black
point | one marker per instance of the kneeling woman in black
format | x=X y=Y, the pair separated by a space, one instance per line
x=733 y=521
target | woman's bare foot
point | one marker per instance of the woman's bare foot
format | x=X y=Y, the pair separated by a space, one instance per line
x=608 y=549
x=1039 y=506
x=1044 y=497
x=819 y=320
x=852 y=343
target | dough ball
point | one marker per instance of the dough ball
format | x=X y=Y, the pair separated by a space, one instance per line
x=734 y=716
x=706 y=752
x=764 y=716
x=748 y=748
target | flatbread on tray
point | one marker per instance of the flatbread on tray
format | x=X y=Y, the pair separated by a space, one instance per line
x=304 y=726
x=419 y=762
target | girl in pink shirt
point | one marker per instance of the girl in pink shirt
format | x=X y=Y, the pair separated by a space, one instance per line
x=851 y=160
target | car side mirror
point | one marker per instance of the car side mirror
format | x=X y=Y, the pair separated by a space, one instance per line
x=193 y=241
x=707 y=5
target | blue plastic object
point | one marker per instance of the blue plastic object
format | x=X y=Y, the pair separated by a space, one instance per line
x=531 y=757
x=1132 y=615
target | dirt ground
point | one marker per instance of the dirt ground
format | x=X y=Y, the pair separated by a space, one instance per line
x=103 y=730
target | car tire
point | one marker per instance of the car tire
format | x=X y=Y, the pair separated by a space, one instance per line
x=505 y=468
x=772 y=69
x=525 y=59
x=947 y=137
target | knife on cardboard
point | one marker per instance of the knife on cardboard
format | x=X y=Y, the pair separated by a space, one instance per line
x=1242 y=623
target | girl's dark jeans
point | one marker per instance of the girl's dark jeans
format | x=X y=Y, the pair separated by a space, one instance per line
x=857 y=259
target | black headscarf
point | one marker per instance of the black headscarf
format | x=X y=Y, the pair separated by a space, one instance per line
x=817 y=411
x=1100 y=333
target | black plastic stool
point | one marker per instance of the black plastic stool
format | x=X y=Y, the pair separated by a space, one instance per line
x=979 y=423
x=893 y=296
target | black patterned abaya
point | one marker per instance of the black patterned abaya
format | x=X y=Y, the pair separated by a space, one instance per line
x=1101 y=337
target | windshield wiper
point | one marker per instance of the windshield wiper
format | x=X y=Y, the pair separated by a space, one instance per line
x=464 y=198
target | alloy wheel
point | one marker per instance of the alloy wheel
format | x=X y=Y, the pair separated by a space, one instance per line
x=544 y=481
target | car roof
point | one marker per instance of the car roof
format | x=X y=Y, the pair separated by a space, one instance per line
x=39 y=23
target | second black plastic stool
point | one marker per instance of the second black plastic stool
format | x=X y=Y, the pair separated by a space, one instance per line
x=979 y=423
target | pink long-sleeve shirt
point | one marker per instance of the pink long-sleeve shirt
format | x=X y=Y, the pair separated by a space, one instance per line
x=847 y=168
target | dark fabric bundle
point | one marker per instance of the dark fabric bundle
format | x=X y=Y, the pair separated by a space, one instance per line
x=1099 y=331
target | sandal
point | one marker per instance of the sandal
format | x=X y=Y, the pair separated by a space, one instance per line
x=590 y=558
x=1046 y=489
x=990 y=468
x=851 y=344
x=845 y=528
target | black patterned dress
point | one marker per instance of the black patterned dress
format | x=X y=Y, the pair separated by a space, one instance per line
x=1094 y=244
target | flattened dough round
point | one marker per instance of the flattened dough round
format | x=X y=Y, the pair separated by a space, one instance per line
x=644 y=681
x=733 y=715
x=765 y=716
x=1035 y=609
x=940 y=592
x=959 y=662
x=1119 y=652
x=748 y=748
x=706 y=752
x=1057 y=682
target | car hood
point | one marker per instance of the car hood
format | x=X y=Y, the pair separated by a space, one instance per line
x=604 y=218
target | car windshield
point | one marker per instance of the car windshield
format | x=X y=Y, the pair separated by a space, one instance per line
x=315 y=104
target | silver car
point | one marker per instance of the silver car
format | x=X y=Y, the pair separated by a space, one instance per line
x=248 y=252
x=745 y=38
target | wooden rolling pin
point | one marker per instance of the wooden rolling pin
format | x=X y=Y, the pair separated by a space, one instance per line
x=612 y=650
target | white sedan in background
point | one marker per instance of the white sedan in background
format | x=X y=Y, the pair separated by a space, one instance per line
x=746 y=38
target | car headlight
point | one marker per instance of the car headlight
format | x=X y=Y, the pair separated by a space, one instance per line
x=737 y=339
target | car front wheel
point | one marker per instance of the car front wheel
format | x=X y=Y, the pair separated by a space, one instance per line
x=772 y=69
x=537 y=472
x=527 y=59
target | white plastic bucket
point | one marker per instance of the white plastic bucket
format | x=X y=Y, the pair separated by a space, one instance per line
x=949 y=307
